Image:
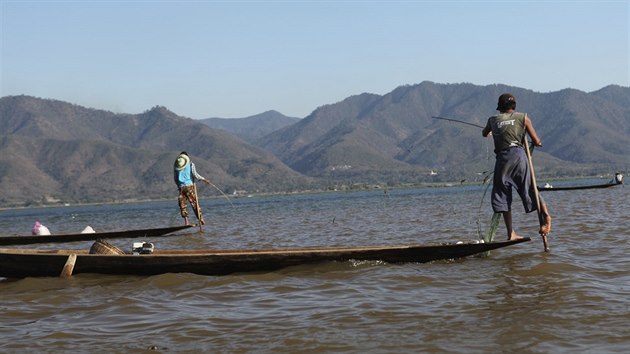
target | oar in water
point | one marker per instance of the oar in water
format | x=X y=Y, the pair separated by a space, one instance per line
x=540 y=216
x=199 y=217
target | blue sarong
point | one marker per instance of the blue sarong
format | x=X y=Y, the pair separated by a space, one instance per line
x=511 y=170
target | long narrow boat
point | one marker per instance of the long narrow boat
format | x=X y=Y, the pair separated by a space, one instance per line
x=33 y=239
x=20 y=263
x=571 y=188
x=617 y=181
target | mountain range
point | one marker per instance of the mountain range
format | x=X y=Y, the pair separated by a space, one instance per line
x=53 y=151
x=393 y=136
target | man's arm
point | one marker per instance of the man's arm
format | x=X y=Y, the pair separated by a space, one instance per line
x=195 y=175
x=532 y=132
x=487 y=130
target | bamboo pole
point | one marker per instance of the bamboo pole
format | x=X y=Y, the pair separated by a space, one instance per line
x=535 y=186
x=199 y=217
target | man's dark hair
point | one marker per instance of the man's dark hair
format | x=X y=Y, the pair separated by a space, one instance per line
x=506 y=101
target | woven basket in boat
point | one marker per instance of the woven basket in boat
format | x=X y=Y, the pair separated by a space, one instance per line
x=103 y=247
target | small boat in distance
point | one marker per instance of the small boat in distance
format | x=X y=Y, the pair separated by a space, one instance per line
x=21 y=263
x=617 y=181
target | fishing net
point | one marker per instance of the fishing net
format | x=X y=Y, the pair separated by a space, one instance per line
x=492 y=228
x=488 y=235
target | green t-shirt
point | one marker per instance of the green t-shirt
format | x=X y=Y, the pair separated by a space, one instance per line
x=508 y=130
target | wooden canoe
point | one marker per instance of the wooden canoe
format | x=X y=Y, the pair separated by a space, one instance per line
x=20 y=263
x=615 y=182
x=33 y=239
x=571 y=188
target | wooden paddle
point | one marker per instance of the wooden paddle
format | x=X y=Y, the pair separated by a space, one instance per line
x=535 y=186
x=198 y=206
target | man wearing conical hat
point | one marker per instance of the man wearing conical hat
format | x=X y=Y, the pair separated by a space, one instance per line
x=185 y=176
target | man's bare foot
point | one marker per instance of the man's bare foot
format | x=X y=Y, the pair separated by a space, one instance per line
x=546 y=228
x=202 y=222
x=514 y=236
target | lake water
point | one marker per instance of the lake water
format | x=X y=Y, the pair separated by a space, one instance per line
x=519 y=299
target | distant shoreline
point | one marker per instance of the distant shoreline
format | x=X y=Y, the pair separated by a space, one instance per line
x=357 y=187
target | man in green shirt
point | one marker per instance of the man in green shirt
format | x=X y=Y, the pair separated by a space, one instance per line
x=511 y=169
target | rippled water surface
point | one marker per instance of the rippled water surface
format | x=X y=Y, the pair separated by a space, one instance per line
x=519 y=299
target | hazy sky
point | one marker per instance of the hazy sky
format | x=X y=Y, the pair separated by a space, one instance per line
x=234 y=59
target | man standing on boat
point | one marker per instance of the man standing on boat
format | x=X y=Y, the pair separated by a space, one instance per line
x=511 y=169
x=185 y=176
